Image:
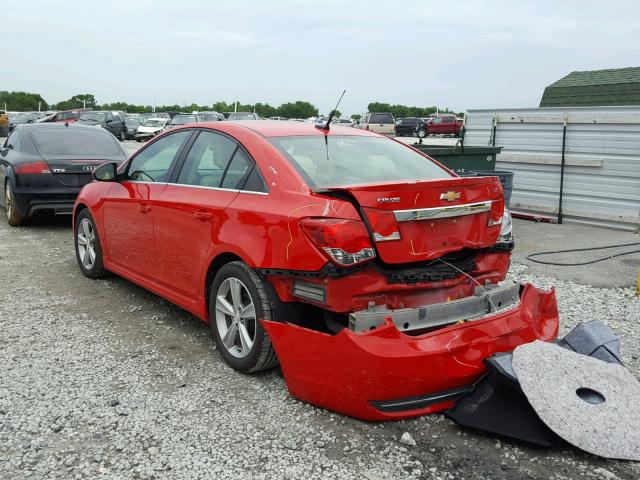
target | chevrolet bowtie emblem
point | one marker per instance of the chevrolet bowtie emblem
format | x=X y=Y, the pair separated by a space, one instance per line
x=450 y=196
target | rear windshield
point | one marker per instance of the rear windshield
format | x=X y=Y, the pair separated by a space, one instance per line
x=183 y=120
x=381 y=118
x=353 y=160
x=242 y=116
x=68 y=115
x=76 y=141
x=154 y=123
x=97 y=116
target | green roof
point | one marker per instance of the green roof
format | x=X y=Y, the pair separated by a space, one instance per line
x=616 y=86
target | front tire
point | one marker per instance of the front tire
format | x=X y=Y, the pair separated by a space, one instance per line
x=237 y=302
x=123 y=135
x=14 y=217
x=88 y=247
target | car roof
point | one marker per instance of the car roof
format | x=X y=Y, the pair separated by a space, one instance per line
x=276 y=128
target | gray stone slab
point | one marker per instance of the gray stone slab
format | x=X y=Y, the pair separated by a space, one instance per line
x=552 y=377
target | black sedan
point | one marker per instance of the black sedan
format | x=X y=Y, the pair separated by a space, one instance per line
x=43 y=166
x=406 y=126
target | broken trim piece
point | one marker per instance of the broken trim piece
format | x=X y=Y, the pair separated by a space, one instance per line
x=442 y=212
x=420 y=401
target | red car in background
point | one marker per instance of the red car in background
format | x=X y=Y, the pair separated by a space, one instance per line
x=372 y=273
x=440 y=125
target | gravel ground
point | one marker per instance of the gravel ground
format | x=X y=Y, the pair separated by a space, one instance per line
x=103 y=379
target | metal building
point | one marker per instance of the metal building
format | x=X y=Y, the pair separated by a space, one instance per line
x=590 y=154
x=616 y=86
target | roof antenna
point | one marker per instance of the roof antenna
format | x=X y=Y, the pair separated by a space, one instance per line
x=326 y=126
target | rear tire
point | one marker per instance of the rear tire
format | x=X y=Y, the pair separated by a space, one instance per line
x=237 y=301
x=14 y=217
x=88 y=247
x=422 y=133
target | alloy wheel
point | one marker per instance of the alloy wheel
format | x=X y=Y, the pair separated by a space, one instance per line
x=236 y=317
x=86 y=244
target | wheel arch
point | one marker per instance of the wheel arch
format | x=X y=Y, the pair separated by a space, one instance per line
x=76 y=211
x=216 y=264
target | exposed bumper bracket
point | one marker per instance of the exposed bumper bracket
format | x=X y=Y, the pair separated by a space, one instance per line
x=487 y=299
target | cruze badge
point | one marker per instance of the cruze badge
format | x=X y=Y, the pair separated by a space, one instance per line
x=389 y=200
x=450 y=196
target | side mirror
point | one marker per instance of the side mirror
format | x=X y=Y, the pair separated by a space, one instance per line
x=106 y=172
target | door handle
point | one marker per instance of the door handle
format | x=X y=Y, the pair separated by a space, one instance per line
x=201 y=215
x=144 y=208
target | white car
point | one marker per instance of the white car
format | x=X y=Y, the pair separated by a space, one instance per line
x=150 y=128
x=344 y=122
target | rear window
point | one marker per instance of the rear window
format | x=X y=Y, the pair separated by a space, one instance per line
x=68 y=115
x=242 y=116
x=381 y=118
x=76 y=141
x=183 y=120
x=353 y=160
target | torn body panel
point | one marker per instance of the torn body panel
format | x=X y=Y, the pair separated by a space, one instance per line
x=356 y=373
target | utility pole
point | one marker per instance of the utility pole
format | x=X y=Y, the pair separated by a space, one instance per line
x=235 y=107
x=154 y=104
x=39 y=103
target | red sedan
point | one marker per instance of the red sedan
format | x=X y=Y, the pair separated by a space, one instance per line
x=373 y=274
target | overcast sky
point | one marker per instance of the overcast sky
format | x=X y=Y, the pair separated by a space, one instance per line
x=458 y=54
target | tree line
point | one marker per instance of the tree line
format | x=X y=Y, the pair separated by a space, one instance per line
x=23 y=101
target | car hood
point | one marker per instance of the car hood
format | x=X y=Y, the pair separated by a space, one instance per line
x=143 y=129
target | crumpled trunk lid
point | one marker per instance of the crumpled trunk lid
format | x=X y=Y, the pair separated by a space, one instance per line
x=432 y=218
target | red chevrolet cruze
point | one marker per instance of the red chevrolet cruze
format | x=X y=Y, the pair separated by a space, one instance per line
x=373 y=274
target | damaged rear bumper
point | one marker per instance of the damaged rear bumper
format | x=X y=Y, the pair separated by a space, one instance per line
x=385 y=374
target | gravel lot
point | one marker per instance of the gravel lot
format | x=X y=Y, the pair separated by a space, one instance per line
x=103 y=379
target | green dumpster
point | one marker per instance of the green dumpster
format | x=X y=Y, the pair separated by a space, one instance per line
x=461 y=159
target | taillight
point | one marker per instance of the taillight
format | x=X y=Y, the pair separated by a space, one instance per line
x=383 y=223
x=345 y=242
x=32 y=167
x=497 y=210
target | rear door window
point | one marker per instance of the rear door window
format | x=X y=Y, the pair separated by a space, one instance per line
x=238 y=171
x=207 y=160
x=153 y=163
x=381 y=118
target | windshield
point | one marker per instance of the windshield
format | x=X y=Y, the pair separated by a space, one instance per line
x=242 y=116
x=353 y=160
x=131 y=121
x=19 y=118
x=183 y=120
x=76 y=141
x=97 y=116
x=154 y=123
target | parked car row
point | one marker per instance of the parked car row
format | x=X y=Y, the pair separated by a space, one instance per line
x=382 y=265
